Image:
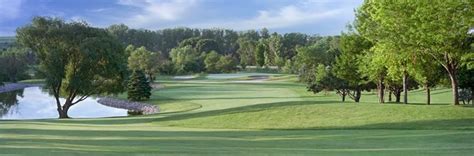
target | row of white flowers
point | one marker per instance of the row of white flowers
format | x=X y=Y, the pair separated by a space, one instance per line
x=129 y=105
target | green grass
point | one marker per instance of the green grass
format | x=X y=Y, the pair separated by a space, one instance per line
x=33 y=81
x=278 y=117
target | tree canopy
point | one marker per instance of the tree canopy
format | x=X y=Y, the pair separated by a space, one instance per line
x=80 y=60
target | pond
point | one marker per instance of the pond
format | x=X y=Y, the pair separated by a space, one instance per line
x=34 y=103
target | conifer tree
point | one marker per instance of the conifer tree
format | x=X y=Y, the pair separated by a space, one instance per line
x=138 y=87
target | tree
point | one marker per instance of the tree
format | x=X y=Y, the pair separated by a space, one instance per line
x=290 y=67
x=206 y=45
x=226 y=64
x=190 y=42
x=323 y=79
x=186 y=59
x=275 y=48
x=466 y=80
x=347 y=64
x=9 y=100
x=211 y=61
x=144 y=60
x=246 y=52
x=260 y=54
x=427 y=73
x=291 y=41
x=397 y=70
x=14 y=63
x=120 y=31
x=264 y=33
x=129 y=49
x=138 y=87
x=309 y=57
x=79 y=60
x=438 y=29
x=372 y=66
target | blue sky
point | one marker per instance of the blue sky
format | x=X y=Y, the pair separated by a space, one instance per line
x=324 y=17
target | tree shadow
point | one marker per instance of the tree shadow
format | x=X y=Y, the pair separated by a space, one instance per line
x=246 y=109
x=413 y=103
x=452 y=124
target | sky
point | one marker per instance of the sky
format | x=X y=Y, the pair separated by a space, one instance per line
x=323 y=17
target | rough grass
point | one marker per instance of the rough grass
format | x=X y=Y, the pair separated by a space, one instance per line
x=218 y=117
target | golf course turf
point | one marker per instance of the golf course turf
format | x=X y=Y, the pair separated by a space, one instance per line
x=275 y=117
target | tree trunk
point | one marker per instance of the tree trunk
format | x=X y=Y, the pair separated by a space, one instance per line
x=63 y=114
x=343 y=93
x=472 y=95
x=428 y=96
x=390 y=95
x=381 y=88
x=63 y=111
x=454 y=85
x=151 y=78
x=397 y=94
x=357 y=96
x=451 y=68
x=405 y=87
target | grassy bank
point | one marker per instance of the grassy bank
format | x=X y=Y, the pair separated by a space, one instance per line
x=277 y=117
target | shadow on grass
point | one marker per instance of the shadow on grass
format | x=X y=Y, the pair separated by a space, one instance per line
x=414 y=103
x=105 y=121
x=237 y=98
x=453 y=124
x=246 y=109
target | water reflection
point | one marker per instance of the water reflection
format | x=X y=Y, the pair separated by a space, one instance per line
x=8 y=101
x=34 y=103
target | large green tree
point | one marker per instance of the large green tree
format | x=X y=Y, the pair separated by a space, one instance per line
x=323 y=79
x=226 y=64
x=206 y=45
x=187 y=59
x=347 y=64
x=79 y=60
x=246 y=52
x=437 y=29
x=275 y=50
x=211 y=60
x=427 y=73
x=144 y=60
x=372 y=66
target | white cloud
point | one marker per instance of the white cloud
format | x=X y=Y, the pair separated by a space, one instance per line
x=10 y=9
x=98 y=10
x=286 y=16
x=153 y=11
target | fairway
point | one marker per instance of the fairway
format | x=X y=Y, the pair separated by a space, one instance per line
x=236 y=116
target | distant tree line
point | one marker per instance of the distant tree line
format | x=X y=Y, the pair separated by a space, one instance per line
x=184 y=50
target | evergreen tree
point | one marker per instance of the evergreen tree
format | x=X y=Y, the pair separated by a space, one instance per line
x=138 y=87
x=260 y=54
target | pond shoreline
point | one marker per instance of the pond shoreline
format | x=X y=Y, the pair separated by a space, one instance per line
x=129 y=105
x=7 y=87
